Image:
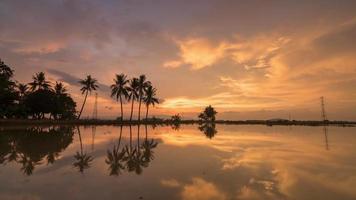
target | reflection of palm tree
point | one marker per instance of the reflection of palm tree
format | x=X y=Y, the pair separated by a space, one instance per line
x=208 y=129
x=82 y=159
x=51 y=157
x=119 y=89
x=115 y=157
x=133 y=156
x=89 y=84
x=148 y=146
x=28 y=165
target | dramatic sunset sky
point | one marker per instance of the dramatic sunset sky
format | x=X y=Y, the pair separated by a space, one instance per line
x=249 y=59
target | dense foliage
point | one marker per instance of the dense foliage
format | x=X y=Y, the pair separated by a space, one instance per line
x=35 y=102
x=208 y=114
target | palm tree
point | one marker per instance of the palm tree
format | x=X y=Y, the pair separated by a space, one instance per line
x=23 y=89
x=150 y=98
x=119 y=89
x=39 y=82
x=132 y=93
x=59 y=88
x=89 y=84
x=142 y=85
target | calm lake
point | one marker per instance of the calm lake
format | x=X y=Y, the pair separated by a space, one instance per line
x=187 y=162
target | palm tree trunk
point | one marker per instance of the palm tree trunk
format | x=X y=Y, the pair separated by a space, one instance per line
x=139 y=108
x=131 y=109
x=147 y=112
x=85 y=99
x=122 y=115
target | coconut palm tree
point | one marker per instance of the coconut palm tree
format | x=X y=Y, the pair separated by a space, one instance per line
x=89 y=84
x=119 y=89
x=150 y=98
x=39 y=82
x=23 y=89
x=59 y=88
x=142 y=85
x=132 y=93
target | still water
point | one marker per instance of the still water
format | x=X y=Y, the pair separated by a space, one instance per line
x=187 y=162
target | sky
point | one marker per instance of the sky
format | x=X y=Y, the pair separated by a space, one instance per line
x=248 y=59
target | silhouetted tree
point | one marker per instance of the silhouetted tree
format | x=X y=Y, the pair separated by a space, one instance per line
x=150 y=98
x=88 y=84
x=8 y=95
x=23 y=90
x=142 y=85
x=39 y=82
x=64 y=107
x=208 y=114
x=119 y=89
x=132 y=93
x=40 y=102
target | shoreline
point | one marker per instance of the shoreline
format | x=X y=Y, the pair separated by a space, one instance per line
x=11 y=122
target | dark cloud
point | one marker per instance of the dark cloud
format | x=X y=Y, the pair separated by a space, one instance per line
x=73 y=80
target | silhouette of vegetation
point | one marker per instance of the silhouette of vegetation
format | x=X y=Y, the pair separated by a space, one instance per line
x=82 y=159
x=142 y=85
x=208 y=129
x=89 y=84
x=115 y=158
x=132 y=93
x=33 y=146
x=8 y=94
x=35 y=100
x=208 y=114
x=150 y=98
x=119 y=89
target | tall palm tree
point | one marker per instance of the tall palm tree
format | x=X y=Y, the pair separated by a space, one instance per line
x=142 y=85
x=132 y=93
x=39 y=82
x=59 y=88
x=119 y=89
x=89 y=84
x=150 y=98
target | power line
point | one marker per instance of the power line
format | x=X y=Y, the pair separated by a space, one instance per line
x=323 y=113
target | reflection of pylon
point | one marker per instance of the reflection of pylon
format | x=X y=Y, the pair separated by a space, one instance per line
x=95 y=110
x=323 y=113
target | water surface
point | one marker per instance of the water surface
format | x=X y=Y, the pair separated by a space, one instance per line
x=187 y=162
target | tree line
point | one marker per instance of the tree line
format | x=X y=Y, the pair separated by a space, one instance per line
x=41 y=98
